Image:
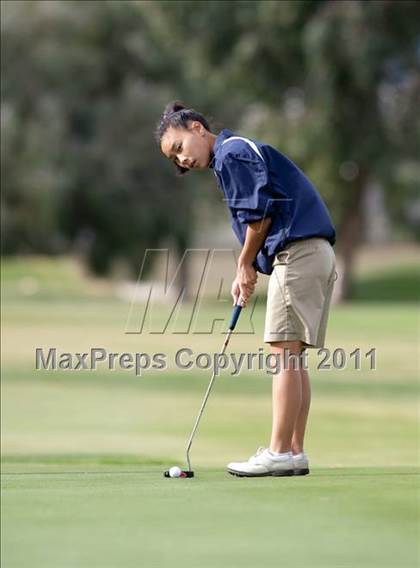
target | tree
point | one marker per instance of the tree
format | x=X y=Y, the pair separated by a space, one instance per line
x=315 y=80
x=79 y=160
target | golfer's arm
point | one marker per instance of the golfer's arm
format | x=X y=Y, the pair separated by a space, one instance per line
x=254 y=239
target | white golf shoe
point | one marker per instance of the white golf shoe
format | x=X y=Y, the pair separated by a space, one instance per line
x=301 y=464
x=263 y=464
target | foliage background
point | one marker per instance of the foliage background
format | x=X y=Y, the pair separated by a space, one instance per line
x=332 y=84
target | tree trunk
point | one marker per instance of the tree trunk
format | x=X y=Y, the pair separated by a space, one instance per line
x=349 y=237
x=182 y=280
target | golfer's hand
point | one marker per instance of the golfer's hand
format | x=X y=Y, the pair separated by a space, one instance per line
x=244 y=284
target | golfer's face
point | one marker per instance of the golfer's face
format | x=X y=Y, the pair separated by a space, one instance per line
x=187 y=148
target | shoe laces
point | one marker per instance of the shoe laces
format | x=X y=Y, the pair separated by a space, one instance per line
x=255 y=457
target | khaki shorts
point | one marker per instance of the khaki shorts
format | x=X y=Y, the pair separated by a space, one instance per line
x=299 y=293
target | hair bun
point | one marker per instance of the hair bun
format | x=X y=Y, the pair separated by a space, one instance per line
x=172 y=107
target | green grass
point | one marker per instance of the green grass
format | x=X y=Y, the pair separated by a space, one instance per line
x=84 y=452
x=398 y=283
x=132 y=516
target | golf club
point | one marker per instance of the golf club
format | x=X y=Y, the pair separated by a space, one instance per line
x=189 y=472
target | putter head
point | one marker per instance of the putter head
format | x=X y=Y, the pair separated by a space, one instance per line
x=184 y=473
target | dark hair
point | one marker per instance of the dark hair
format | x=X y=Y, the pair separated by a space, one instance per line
x=178 y=116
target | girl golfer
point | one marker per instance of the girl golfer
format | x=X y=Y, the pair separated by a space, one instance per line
x=286 y=231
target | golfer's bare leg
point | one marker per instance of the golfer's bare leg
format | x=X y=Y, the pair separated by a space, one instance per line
x=302 y=419
x=287 y=396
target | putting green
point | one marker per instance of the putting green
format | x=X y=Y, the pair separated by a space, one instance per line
x=127 y=515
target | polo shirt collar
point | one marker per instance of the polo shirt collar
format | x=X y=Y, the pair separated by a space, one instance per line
x=223 y=135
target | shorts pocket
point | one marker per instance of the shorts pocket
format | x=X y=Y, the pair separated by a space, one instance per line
x=281 y=258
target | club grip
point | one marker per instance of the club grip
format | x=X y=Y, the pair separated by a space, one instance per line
x=235 y=316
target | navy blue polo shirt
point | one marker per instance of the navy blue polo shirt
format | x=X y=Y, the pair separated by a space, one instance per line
x=257 y=182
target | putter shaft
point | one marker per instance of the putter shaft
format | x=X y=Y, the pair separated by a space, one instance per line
x=203 y=404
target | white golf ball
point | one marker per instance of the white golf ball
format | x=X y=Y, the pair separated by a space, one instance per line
x=175 y=471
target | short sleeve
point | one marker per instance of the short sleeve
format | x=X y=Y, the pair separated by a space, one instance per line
x=246 y=183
